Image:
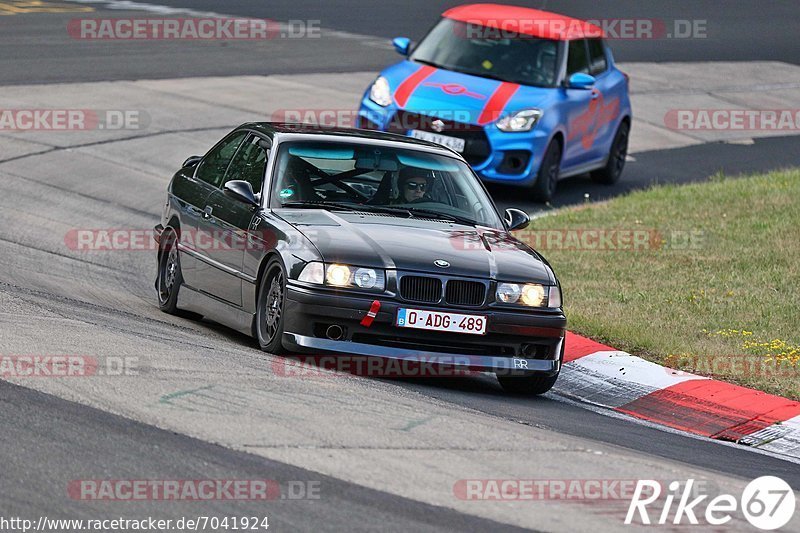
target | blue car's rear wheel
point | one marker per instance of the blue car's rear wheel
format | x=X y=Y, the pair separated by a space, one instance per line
x=610 y=174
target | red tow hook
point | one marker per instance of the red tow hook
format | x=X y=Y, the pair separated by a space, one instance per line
x=370 y=316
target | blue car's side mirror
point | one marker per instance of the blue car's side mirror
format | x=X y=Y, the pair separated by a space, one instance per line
x=402 y=44
x=579 y=80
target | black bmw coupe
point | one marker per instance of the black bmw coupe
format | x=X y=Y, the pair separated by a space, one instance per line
x=358 y=243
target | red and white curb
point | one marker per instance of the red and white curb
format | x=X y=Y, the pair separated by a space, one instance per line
x=600 y=375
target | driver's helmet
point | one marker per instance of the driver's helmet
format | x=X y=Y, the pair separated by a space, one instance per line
x=546 y=59
x=414 y=176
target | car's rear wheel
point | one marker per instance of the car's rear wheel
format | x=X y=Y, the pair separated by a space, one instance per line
x=610 y=174
x=269 y=311
x=547 y=179
x=169 y=280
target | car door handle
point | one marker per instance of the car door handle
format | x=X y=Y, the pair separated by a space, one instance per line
x=207 y=211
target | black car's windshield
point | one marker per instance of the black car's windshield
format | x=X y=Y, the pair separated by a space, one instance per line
x=490 y=53
x=403 y=182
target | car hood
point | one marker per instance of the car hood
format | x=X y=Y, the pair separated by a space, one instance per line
x=384 y=241
x=460 y=97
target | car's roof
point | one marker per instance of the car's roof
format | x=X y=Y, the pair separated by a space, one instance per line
x=271 y=128
x=524 y=20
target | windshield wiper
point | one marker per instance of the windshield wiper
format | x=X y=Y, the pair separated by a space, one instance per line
x=429 y=63
x=444 y=216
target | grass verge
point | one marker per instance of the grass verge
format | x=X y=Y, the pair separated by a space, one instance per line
x=703 y=277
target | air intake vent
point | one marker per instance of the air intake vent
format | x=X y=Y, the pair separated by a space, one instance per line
x=421 y=289
x=460 y=292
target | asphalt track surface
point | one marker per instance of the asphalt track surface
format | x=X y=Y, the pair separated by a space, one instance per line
x=38 y=49
x=47 y=441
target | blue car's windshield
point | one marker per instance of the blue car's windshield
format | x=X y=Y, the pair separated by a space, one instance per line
x=371 y=177
x=490 y=53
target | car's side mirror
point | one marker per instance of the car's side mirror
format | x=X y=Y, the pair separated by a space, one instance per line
x=579 y=80
x=192 y=160
x=401 y=45
x=516 y=219
x=241 y=190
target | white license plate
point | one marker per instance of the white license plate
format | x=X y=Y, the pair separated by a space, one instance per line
x=436 y=321
x=445 y=140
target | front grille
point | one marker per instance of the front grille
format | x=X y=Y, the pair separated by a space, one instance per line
x=421 y=289
x=460 y=292
x=476 y=146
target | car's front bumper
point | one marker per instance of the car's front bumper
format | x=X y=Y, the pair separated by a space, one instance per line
x=503 y=157
x=516 y=343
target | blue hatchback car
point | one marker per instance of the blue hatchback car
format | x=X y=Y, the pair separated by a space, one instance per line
x=526 y=96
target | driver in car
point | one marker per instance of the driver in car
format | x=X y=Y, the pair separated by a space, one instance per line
x=414 y=185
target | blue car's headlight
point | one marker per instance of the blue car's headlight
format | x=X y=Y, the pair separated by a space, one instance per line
x=520 y=121
x=380 y=93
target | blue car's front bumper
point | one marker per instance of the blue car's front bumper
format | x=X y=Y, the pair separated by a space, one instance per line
x=496 y=156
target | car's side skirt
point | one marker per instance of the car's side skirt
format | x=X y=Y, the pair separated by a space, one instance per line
x=582 y=168
x=190 y=299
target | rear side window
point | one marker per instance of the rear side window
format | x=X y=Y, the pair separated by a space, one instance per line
x=597 y=57
x=215 y=163
x=577 y=61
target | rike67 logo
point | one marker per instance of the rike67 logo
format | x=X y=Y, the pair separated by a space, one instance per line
x=767 y=503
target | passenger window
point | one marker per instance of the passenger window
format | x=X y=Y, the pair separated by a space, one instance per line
x=215 y=163
x=249 y=164
x=577 y=60
x=597 y=57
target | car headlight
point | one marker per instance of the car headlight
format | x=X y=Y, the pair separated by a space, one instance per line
x=380 y=93
x=529 y=294
x=338 y=275
x=313 y=273
x=520 y=121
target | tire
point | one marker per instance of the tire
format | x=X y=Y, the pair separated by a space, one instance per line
x=547 y=179
x=527 y=385
x=610 y=174
x=533 y=385
x=169 y=277
x=270 y=308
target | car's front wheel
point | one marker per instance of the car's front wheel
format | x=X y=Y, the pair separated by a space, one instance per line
x=169 y=278
x=547 y=179
x=269 y=311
